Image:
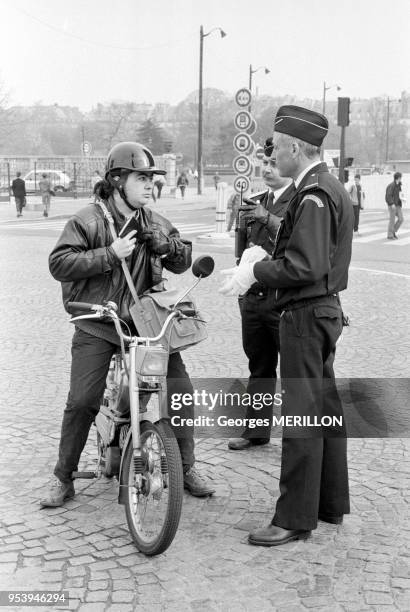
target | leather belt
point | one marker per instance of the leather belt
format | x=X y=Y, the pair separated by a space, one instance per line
x=308 y=301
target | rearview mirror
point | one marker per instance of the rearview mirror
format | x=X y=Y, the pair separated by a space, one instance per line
x=203 y=266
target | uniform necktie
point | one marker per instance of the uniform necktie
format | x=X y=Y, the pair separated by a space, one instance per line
x=271 y=198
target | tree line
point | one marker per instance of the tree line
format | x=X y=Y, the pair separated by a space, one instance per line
x=45 y=130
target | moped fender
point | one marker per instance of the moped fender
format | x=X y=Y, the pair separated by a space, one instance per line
x=121 y=478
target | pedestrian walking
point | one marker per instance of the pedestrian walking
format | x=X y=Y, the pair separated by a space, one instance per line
x=357 y=197
x=182 y=183
x=260 y=320
x=46 y=193
x=18 y=188
x=159 y=183
x=308 y=269
x=217 y=179
x=394 y=202
x=87 y=262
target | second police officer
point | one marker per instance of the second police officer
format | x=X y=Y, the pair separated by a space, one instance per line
x=260 y=320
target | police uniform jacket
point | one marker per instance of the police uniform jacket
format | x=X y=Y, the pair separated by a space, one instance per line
x=314 y=241
x=264 y=234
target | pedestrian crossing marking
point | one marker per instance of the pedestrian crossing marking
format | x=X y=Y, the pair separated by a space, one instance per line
x=377 y=236
x=370 y=229
x=58 y=224
x=399 y=242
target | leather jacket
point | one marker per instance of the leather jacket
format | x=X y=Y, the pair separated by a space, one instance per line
x=85 y=263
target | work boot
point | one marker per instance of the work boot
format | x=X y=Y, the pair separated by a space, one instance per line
x=196 y=484
x=59 y=492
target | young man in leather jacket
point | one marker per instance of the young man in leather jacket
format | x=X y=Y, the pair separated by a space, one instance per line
x=87 y=262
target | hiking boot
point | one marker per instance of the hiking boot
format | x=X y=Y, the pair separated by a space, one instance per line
x=59 y=492
x=196 y=484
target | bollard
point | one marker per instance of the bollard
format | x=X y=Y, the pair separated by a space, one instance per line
x=221 y=205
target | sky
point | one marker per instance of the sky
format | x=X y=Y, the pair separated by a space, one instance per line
x=82 y=52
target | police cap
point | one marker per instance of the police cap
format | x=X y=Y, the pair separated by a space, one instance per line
x=302 y=123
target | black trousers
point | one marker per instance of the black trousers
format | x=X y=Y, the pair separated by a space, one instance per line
x=314 y=476
x=356 y=212
x=260 y=339
x=91 y=358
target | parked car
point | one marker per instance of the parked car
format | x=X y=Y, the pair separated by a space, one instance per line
x=59 y=180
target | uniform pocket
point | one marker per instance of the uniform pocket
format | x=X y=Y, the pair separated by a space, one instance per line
x=327 y=312
x=329 y=321
x=295 y=321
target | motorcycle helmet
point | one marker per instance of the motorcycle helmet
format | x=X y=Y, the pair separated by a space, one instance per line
x=127 y=157
x=131 y=156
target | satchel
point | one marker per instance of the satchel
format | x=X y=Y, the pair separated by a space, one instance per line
x=151 y=310
x=150 y=314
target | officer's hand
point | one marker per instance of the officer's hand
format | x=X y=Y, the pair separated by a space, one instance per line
x=255 y=213
x=157 y=241
x=123 y=247
x=239 y=279
x=253 y=254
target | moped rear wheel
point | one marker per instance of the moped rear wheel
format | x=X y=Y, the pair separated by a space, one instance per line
x=154 y=484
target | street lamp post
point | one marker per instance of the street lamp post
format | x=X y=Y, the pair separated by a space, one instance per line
x=388 y=126
x=200 y=104
x=251 y=72
x=325 y=89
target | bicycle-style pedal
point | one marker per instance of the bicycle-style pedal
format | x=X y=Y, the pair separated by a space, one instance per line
x=84 y=475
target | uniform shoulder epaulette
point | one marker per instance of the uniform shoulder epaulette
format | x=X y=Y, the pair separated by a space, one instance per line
x=312 y=183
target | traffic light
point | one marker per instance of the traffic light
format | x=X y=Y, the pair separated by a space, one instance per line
x=348 y=161
x=343 y=110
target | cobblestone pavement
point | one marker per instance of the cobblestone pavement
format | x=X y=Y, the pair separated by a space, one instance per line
x=85 y=547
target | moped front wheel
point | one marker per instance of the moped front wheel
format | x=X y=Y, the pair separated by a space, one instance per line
x=154 y=488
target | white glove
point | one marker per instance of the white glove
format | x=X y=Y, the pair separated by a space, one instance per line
x=239 y=281
x=253 y=254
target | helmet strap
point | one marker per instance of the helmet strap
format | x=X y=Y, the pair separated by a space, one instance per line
x=118 y=183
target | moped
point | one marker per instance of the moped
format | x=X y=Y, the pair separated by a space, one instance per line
x=135 y=442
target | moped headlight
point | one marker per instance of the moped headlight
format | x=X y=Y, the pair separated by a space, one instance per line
x=151 y=361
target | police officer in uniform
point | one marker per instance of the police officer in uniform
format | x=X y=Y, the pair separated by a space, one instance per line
x=308 y=269
x=260 y=320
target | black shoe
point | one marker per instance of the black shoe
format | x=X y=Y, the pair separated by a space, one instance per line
x=59 y=492
x=275 y=536
x=196 y=484
x=334 y=519
x=244 y=443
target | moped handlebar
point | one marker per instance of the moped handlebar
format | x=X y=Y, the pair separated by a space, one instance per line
x=110 y=309
x=83 y=306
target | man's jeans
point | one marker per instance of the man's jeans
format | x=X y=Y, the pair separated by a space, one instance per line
x=91 y=358
x=394 y=211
